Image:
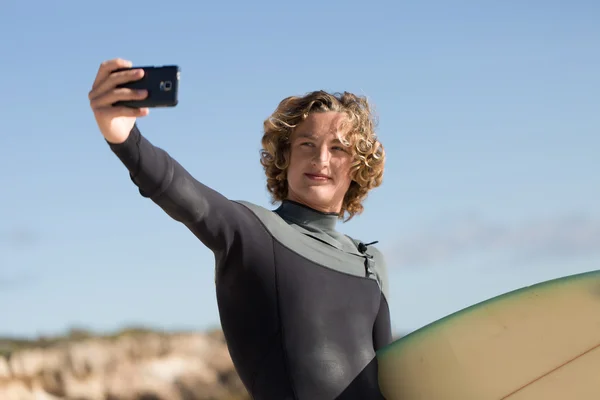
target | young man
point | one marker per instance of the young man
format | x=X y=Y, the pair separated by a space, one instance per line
x=303 y=307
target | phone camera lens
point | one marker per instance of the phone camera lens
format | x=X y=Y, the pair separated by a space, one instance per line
x=166 y=86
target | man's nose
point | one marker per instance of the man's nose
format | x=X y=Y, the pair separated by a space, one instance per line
x=322 y=155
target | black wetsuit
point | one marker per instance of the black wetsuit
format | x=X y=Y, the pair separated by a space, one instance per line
x=303 y=307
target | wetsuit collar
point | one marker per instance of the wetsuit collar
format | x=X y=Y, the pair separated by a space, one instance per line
x=307 y=217
x=316 y=224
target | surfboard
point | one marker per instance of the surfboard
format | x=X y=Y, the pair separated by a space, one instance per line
x=541 y=342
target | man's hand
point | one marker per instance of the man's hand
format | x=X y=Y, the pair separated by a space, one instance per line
x=115 y=123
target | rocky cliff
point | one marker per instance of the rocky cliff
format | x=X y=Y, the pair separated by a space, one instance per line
x=137 y=365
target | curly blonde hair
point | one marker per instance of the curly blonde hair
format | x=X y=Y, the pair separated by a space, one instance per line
x=367 y=151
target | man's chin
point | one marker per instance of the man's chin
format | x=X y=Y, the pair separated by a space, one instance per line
x=319 y=193
x=319 y=198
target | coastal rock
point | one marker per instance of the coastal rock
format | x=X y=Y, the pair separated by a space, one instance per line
x=140 y=366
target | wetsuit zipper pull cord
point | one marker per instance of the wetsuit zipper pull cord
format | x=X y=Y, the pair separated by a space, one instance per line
x=369 y=272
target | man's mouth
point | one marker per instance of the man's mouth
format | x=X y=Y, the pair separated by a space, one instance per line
x=317 y=177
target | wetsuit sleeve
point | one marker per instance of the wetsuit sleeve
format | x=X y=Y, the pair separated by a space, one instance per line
x=208 y=214
x=382 y=330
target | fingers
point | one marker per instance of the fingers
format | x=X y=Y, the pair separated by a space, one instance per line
x=106 y=91
x=107 y=67
x=118 y=78
x=120 y=94
x=113 y=80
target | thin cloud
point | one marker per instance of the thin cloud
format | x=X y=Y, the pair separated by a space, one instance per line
x=8 y=283
x=21 y=240
x=20 y=237
x=539 y=240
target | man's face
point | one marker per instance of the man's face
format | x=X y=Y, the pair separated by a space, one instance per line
x=319 y=170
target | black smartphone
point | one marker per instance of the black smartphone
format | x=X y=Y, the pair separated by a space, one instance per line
x=162 y=84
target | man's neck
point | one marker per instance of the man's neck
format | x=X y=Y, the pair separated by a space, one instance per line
x=304 y=215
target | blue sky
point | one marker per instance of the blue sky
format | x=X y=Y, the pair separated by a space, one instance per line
x=488 y=111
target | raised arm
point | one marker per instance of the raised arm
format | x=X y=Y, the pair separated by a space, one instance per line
x=209 y=215
x=213 y=218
